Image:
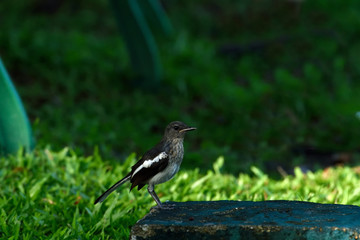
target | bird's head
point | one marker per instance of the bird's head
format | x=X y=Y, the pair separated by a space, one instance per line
x=177 y=129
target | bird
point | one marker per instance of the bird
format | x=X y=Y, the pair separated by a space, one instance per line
x=157 y=165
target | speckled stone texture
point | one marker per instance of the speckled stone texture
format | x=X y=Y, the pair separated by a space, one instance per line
x=249 y=220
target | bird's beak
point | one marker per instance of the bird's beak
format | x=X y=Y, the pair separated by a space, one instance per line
x=187 y=129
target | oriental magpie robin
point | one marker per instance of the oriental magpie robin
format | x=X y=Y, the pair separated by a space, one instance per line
x=157 y=165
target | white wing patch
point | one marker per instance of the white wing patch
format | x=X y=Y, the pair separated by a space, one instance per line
x=148 y=163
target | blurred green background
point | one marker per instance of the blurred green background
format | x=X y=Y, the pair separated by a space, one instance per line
x=267 y=83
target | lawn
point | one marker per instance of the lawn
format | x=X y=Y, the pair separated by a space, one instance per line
x=50 y=195
x=271 y=86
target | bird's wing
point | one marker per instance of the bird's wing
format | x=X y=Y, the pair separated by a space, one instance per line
x=153 y=162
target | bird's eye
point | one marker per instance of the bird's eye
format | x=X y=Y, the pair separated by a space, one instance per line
x=176 y=127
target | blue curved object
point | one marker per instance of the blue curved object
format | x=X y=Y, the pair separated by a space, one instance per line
x=133 y=17
x=15 y=130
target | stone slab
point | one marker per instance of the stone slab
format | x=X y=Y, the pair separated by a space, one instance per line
x=249 y=220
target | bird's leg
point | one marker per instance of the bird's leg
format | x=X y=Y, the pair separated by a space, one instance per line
x=154 y=196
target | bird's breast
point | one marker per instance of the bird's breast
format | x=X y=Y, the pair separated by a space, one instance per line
x=176 y=154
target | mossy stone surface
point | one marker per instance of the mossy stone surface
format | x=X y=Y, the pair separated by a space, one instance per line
x=249 y=220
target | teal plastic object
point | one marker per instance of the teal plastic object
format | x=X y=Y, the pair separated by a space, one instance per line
x=156 y=17
x=15 y=130
x=132 y=21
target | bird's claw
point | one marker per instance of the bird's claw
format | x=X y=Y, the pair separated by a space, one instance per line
x=166 y=206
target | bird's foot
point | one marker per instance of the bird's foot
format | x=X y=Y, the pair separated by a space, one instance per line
x=165 y=206
x=168 y=205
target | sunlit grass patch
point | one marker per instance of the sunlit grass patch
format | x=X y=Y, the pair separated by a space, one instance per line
x=49 y=194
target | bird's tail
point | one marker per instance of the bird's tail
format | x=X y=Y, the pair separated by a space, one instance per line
x=110 y=190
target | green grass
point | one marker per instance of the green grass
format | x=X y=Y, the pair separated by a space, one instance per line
x=50 y=195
